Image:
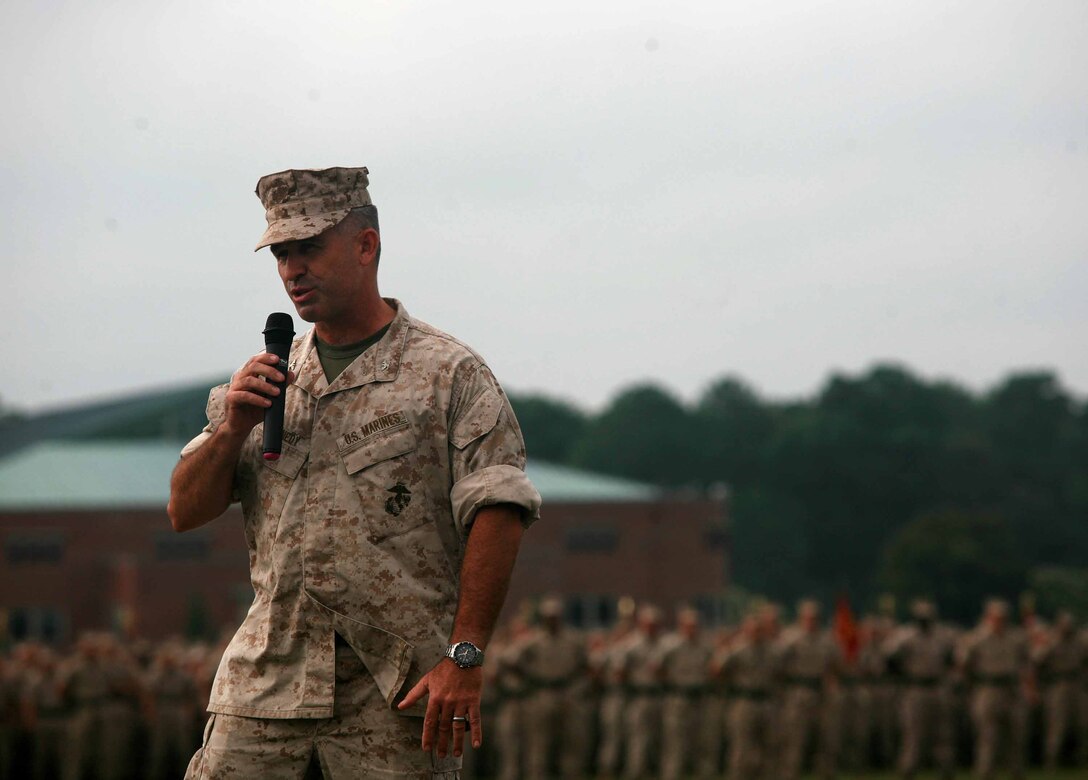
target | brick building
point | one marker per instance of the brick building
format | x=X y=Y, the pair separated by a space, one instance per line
x=86 y=543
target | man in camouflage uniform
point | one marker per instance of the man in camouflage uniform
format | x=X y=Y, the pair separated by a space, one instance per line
x=512 y=720
x=1060 y=664
x=995 y=662
x=553 y=663
x=382 y=538
x=46 y=715
x=883 y=693
x=84 y=685
x=921 y=656
x=810 y=664
x=9 y=717
x=607 y=664
x=119 y=710
x=749 y=670
x=640 y=673
x=172 y=694
x=689 y=738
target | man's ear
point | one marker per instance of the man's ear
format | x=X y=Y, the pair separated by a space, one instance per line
x=366 y=245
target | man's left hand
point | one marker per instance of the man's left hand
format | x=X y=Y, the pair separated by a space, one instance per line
x=451 y=692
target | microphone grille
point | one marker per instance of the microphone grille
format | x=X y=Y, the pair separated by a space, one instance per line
x=279 y=328
x=277 y=320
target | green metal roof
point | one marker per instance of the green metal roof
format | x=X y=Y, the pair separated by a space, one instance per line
x=560 y=483
x=88 y=475
x=132 y=474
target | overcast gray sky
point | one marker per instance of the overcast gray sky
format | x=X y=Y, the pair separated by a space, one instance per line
x=589 y=193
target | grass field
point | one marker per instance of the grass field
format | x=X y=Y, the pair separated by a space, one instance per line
x=1038 y=774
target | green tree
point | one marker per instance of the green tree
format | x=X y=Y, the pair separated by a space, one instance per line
x=645 y=434
x=957 y=559
x=734 y=427
x=9 y=414
x=1060 y=587
x=770 y=544
x=551 y=428
x=1035 y=437
x=865 y=457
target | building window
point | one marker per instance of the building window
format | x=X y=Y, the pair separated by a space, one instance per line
x=592 y=539
x=717 y=609
x=28 y=547
x=590 y=610
x=44 y=624
x=170 y=546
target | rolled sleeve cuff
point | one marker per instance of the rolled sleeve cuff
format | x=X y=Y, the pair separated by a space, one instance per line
x=494 y=485
x=196 y=443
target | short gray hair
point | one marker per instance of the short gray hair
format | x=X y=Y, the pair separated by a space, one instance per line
x=362 y=218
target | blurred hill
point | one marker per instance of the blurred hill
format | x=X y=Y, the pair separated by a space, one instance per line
x=880 y=482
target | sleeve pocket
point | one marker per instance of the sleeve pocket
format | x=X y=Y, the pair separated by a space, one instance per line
x=478 y=420
x=382 y=448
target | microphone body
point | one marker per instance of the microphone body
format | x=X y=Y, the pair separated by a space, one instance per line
x=279 y=330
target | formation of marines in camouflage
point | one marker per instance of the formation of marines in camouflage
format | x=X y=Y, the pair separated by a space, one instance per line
x=756 y=700
x=106 y=710
x=766 y=700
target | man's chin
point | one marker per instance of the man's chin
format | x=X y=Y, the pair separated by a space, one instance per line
x=306 y=313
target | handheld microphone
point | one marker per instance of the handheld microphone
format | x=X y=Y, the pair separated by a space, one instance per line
x=279 y=329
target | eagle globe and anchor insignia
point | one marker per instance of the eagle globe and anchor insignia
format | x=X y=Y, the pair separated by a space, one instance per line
x=400 y=499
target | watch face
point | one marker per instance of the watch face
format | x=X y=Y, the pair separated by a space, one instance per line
x=464 y=654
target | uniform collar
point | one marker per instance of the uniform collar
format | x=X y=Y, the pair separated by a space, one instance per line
x=380 y=363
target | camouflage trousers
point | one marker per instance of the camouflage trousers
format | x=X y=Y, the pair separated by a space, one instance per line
x=363 y=739
x=557 y=724
x=170 y=740
x=1000 y=717
x=1061 y=718
x=928 y=728
x=643 y=721
x=7 y=750
x=749 y=724
x=118 y=733
x=50 y=738
x=689 y=736
x=509 y=730
x=83 y=740
x=809 y=716
x=612 y=707
x=885 y=725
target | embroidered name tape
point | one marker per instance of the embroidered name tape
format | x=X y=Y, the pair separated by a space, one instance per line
x=384 y=423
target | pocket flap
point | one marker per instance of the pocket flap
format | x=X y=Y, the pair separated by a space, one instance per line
x=289 y=462
x=478 y=420
x=384 y=447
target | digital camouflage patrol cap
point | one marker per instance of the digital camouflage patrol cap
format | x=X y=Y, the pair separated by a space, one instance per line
x=300 y=204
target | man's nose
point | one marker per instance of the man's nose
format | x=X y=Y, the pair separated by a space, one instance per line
x=293 y=267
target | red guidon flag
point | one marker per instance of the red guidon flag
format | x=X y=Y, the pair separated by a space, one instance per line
x=846 y=629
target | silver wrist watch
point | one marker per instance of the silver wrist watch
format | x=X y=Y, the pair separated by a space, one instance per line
x=465 y=654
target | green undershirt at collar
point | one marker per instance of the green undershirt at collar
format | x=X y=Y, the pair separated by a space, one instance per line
x=335 y=358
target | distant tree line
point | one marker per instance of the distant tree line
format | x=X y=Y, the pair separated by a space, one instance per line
x=882 y=482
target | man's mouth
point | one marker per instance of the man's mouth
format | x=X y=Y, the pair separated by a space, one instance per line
x=301 y=294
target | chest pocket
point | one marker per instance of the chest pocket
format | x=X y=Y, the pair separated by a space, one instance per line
x=385 y=483
x=289 y=463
